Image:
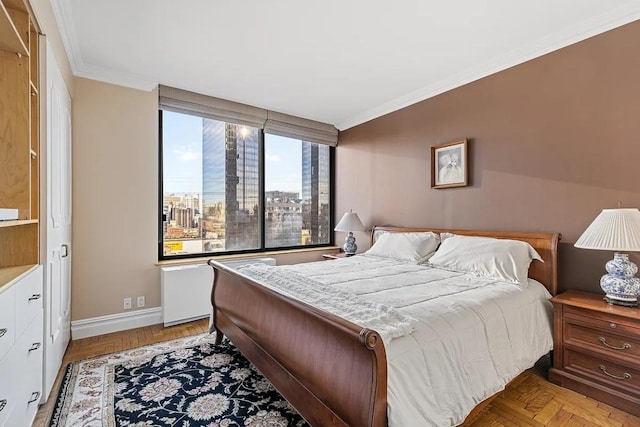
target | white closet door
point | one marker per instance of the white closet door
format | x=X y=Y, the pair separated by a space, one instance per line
x=56 y=221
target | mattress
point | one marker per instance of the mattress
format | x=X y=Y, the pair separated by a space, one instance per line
x=472 y=335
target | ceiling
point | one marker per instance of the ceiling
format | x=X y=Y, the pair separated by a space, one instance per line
x=335 y=61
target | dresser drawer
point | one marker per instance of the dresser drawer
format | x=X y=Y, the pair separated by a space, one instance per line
x=7 y=322
x=603 y=370
x=28 y=299
x=28 y=388
x=30 y=350
x=8 y=380
x=602 y=341
x=603 y=322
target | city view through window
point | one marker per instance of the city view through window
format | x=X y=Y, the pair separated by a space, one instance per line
x=212 y=193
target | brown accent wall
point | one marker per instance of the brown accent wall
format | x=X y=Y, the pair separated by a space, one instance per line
x=552 y=142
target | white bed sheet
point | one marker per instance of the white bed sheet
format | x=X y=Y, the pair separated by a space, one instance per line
x=473 y=335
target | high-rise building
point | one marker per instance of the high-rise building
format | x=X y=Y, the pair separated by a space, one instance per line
x=213 y=183
x=283 y=219
x=184 y=217
x=230 y=175
x=281 y=195
x=315 y=192
x=283 y=229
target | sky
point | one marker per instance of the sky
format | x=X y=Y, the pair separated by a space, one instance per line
x=182 y=153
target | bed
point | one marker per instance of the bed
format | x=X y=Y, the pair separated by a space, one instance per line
x=333 y=371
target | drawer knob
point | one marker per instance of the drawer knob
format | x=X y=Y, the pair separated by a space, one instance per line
x=3 y=331
x=3 y=403
x=625 y=376
x=34 y=296
x=625 y=346
x=35 y=346
x=613 y=325
x=34 y=396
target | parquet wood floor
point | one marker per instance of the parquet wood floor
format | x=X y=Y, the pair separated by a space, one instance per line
x=530 y=400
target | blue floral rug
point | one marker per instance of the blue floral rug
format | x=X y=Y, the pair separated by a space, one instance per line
x=186 y=382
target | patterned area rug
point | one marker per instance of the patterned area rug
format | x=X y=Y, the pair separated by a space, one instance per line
x=185 y=382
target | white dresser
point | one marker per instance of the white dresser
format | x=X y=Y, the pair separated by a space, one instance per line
x=21 y=335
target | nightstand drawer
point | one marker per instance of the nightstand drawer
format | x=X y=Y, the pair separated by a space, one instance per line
x=603 y=322
x=603 y=370
x=602 y=340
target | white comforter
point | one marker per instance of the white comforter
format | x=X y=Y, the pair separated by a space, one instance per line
x=473 y=335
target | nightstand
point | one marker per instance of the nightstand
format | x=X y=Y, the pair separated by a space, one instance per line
x=334 y=255
x=597 y=349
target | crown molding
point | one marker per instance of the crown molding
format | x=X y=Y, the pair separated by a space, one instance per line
x=119 y=78
x=570 y=35
x=64 y=17
x=624 y=14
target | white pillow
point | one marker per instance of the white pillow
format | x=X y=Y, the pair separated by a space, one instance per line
x=413 y=247
x=486 y=257
x=445 y=236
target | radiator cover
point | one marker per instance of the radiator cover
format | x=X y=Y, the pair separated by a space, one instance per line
x=186 y=289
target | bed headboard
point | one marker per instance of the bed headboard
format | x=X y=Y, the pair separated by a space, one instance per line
x=545 y=243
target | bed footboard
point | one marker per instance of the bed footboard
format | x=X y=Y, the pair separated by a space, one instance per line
x=332 y=371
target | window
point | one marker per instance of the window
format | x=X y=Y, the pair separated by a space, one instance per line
x=230 y=188
x=297 y=182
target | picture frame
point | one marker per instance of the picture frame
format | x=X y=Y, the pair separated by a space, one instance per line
x=450 y=164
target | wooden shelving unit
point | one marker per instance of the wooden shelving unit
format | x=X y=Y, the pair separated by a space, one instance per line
x=21 y=275
x=20 y=139
x=10 y=39
x=18 y=222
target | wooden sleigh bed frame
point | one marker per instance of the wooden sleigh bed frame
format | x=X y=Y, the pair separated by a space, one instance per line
x=332 y=371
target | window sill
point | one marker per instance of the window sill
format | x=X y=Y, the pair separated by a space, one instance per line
x=203 y=260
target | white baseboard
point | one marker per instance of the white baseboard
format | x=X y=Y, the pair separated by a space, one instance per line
x=115 y=322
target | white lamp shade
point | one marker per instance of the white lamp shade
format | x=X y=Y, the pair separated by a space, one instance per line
x=613 y=230
x=349 y=222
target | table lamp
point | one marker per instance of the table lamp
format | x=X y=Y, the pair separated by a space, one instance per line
x=616 y=230
x=350 y=222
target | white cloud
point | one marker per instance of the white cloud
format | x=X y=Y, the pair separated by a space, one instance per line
x=187 y=155
x=272 y=158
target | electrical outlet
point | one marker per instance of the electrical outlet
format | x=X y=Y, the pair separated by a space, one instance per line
x=141 y=301
x=127 y=303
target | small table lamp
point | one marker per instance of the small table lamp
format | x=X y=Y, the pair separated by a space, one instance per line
x=350 y=222
x=616 y=230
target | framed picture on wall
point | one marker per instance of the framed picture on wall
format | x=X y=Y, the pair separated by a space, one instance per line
x=450 y=164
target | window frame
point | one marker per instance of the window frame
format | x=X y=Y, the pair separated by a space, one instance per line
x=262 y=204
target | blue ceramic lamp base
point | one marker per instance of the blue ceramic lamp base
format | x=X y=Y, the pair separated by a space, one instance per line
x=350 y=246
x=620 y=285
